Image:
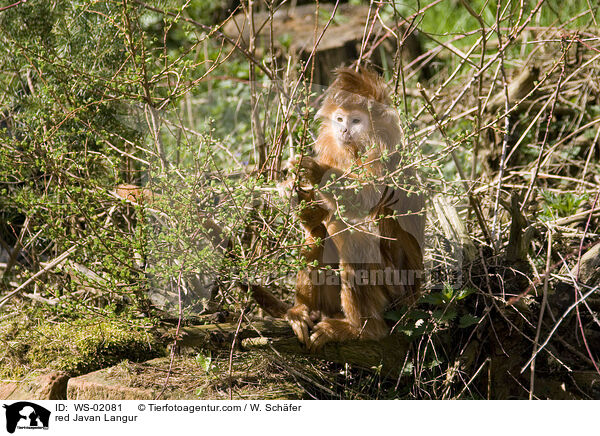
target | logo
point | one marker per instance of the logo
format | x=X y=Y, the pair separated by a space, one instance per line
x=26 y=415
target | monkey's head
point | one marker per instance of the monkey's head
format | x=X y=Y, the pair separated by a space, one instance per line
x=357 y=109
x=350 y=125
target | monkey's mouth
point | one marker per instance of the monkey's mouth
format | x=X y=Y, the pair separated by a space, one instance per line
x=346 y=138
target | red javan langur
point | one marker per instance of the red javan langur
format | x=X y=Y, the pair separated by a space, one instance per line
x=362 y=215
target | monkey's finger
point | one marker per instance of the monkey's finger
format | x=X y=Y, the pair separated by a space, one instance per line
x=305 y=336
x=306 y=325
x=386 y=194
x=298 y=162
x=297 y=329
x=300 y=330
x=315 y=345
x=389 y=200
x=317 y=340
x=292 y=163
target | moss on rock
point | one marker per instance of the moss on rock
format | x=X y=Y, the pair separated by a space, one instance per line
x=75 y=347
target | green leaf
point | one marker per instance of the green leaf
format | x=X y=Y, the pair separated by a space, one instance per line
x=405 y=330
x=447 y=293
x=408 y=368
x=205 y=362
x=464 y=293
x=417 y=314
x=445 y=315
x=434 y=299
x=433 y=364
x=467 y=321
x=393 y=315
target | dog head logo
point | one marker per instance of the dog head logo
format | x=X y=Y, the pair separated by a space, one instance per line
x=24 y=414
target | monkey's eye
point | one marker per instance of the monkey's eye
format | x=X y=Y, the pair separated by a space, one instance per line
x=356 y=121
x=339 y=119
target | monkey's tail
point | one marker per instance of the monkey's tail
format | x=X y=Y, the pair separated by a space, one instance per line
x=266 y=300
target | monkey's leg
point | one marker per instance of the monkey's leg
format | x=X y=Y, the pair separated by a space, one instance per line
x=316 y=292
x=299 y=315
x=362 y=307
x=363 y=300
x=405 y=260
x=314 y=295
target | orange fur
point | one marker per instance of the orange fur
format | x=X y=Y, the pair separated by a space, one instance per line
x=135 y=193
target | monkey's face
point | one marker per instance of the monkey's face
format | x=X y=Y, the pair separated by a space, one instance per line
x=349 y=127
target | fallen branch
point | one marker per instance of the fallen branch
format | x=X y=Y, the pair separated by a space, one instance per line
x=387 y=355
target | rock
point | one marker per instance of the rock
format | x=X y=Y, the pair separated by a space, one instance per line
x=588 y=268
x=137 y=381
x=51 y=385
x=126 y=381
x=191 y=377
x=99 y=385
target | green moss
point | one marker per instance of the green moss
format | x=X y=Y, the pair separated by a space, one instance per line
x=76 y=347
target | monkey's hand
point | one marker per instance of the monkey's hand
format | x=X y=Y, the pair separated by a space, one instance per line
x=310 y=172
x=385 y=204
x=300 y=321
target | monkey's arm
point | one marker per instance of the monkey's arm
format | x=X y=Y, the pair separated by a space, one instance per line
x=331 y=190
x=312 y=172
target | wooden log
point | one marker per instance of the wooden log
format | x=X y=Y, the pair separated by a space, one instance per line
x=453 y=227
x=518 y=88
x=218 y=336
x=520 y=234
x=386 y=356
x=302 y=33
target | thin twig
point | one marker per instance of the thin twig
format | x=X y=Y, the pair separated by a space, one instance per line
x=560 y=320
x=44 y=270
x=474 y=202
x=547 y=131
x=541 y=316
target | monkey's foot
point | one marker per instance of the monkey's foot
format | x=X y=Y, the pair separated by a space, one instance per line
x=300 y=321
x=318 y=338
x=330 y=330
